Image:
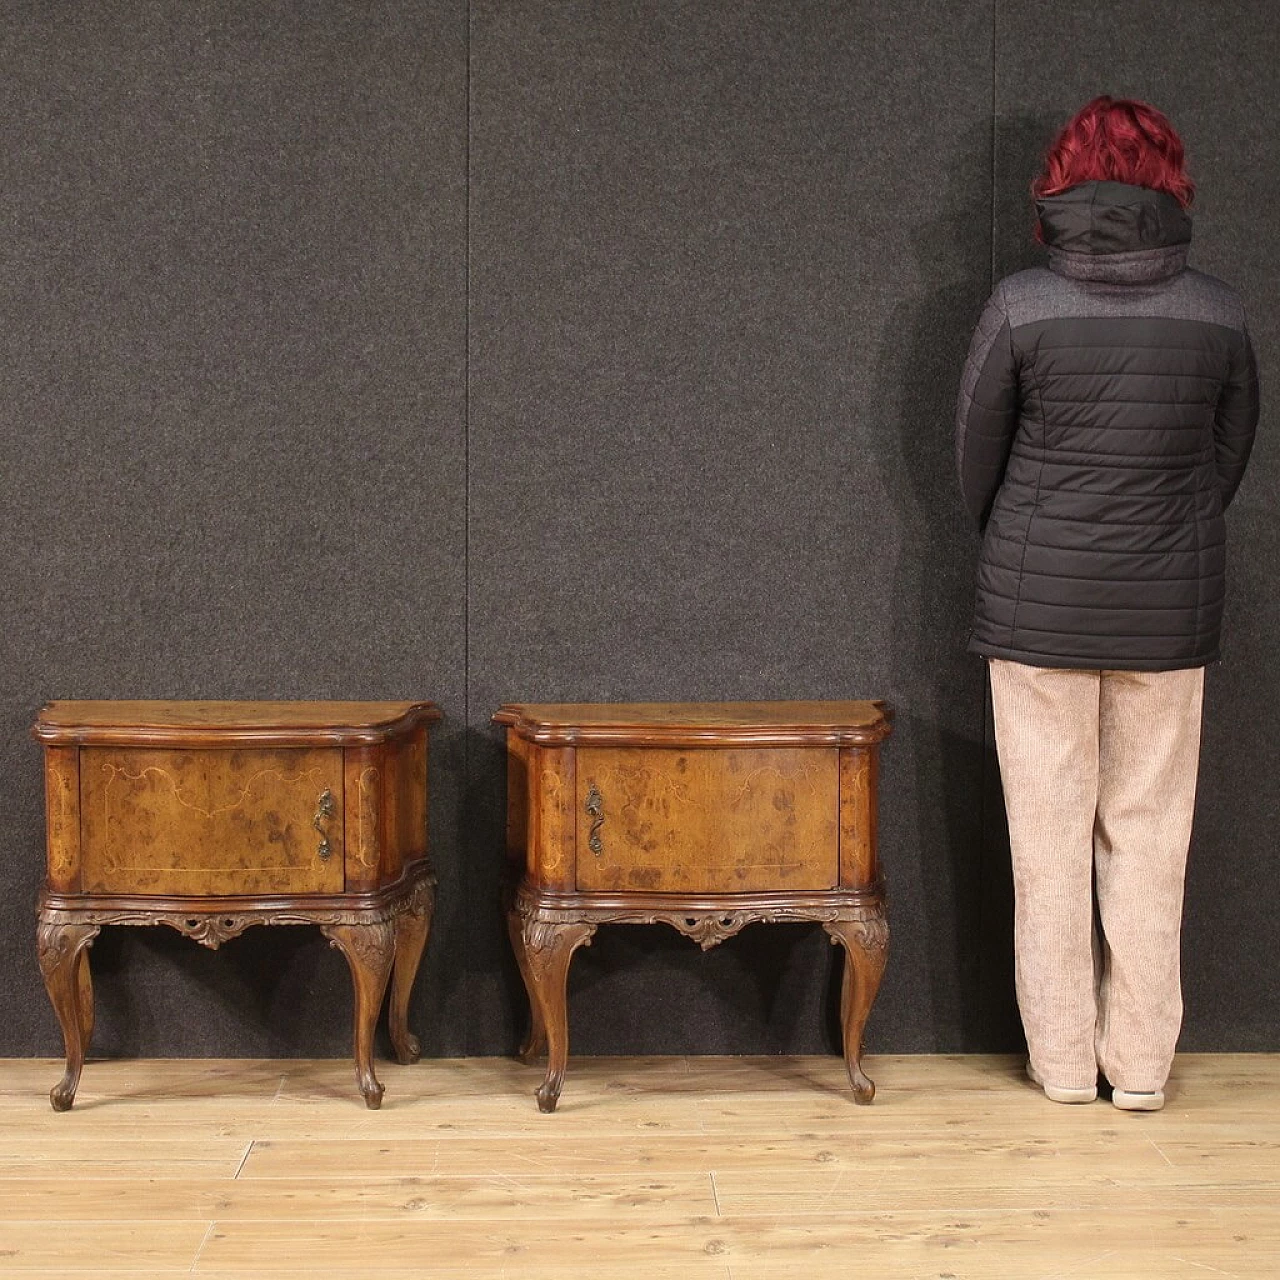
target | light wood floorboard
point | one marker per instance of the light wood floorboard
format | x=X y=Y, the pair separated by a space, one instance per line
x=653 y=1169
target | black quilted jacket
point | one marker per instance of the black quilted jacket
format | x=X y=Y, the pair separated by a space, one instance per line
x=1106 y=415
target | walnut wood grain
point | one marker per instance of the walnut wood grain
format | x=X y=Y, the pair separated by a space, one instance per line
x=84 y=994
x=859 y=790
x=382 y=901
x=206 y=822
x=62 y=817
x=206 y=724
x=535 y=1042
x=691 y=724
x=866 y=944
x=364 y=782
x=552 y=780
x=548 y=949
x=412 y=927
x=404 y=804
x=370 y=952
x=60 y=948
x=520 y=855
x=214 y=817
x=736 y=820
x=704 y=817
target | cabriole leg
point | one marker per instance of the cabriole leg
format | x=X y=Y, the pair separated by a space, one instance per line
x=369 y=949
x=866 y=944
x=84 y=981
x=411 y=928
x=535 y=1042
x=549 y=947
x=64 y=964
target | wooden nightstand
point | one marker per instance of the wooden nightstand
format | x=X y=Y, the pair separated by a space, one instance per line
x=210 y=817
x=706 y=817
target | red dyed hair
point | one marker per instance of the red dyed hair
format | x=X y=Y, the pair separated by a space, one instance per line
x=1117 y=140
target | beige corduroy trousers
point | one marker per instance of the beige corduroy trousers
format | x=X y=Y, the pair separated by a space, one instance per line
x=1099 y=774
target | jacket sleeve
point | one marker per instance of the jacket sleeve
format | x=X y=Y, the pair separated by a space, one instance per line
x=1236 y=419
x=987 y=411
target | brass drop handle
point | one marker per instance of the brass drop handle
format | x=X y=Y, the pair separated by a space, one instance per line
x=325 y=809
x=595 y=808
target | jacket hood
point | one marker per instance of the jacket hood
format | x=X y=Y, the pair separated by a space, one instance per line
x=1114 y=232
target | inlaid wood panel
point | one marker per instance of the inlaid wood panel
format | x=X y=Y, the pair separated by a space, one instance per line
x=517 y=802
x=212 y=822
x=365 y=776
x=707 y=821
x=859 y=792
x=62 y=817
x=406 y=821
x=550 y=775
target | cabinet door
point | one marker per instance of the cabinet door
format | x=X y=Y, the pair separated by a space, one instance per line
x=705 y=820
x=212 y=822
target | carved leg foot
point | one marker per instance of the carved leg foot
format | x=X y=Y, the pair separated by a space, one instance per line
x=535 y=1042
x=411 y=929
x=549 y=947
x=866 y=944
x=369 y=949
x=64 y=964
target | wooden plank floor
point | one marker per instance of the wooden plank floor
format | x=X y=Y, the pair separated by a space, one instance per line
x=653 y=1169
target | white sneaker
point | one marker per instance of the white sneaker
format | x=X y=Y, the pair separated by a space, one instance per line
x=1128 y=1100
x=1056 y=1093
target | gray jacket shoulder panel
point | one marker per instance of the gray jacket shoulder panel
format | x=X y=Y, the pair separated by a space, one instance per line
x=1028 y=295
x=1218 y=301
x=1039 y=294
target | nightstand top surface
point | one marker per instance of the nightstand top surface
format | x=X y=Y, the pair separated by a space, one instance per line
x=659 y=722
x=88 y=722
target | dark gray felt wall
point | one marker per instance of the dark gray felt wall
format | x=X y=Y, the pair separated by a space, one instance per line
x=233 y=405
x=547 y=350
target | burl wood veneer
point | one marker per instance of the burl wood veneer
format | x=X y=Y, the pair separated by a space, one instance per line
x=706 y=817
x=210 y=817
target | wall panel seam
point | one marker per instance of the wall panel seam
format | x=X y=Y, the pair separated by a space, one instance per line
x=985 y=861
x=468 y=1037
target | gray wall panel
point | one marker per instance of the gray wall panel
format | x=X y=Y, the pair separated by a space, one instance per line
x=716 y=322
x=586 y=351
x=232 y=325
x=1212 y=69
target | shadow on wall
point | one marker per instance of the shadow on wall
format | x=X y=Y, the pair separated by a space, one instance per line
x=942 y=688
x=1021 y=141
x=1020 y=144
x=966 y=881
x=494 y=981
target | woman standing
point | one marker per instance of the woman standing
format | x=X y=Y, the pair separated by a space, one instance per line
x=1106 y=416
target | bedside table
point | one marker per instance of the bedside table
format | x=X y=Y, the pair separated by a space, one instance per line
x=210 y=817
x=703 y=816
